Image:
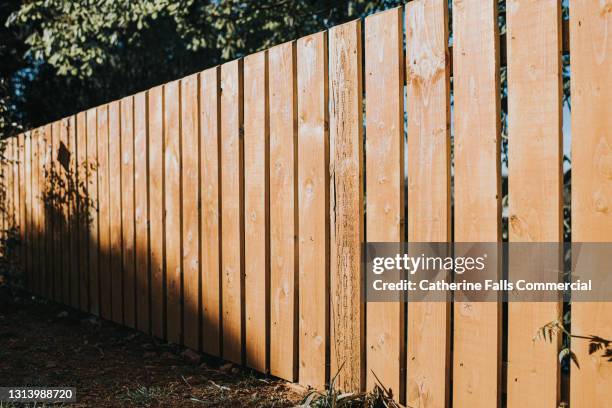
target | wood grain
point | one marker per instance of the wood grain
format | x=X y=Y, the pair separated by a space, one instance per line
x=104 y=214
x=114 y=181
x=127 y=211
x=156 y=209
x=73 y=260
x=283 y=211
x=591 y=90
x=27 y=194
x=54 y=170
x=534 y=188
x=256 y=206
x=81 y=215
x=384 y=186
x=190 y=150
x=210 y=124
x=93 y=211
x=34 y=213
x=429 y=216
x=63 y=207
x=232 y=215
x=172 y=213
x=313 y=201
x=141 y=215
x=477 y=188
x=347 y=307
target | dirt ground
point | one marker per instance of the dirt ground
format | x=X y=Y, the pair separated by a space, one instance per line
x=44 y=344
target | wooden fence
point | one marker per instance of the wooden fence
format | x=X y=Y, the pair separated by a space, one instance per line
x=226 y=210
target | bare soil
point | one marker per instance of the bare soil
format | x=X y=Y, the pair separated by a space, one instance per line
x=45 y=344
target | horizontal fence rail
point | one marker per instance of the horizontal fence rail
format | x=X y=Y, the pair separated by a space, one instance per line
x=226 y=211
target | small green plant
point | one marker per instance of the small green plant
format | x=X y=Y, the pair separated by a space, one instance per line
x=332 y=397
x=144 y=396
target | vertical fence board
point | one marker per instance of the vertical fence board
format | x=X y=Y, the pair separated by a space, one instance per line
x=27 y=193
x=156 y=209
x=141 y=244
x=428 y=107
x=34 y=214
x=114 y=179
x=283 y=211
x=104 y=214
x=210 y=174
x=22 y=207
x=232 y=216
x=384 y=184
x=15 y=193
x=54 y=212
x=256 y=228
x=63 y=158
x=477 y=330
x=191 y=218
x=591 y=83
x=346 y=206
x=81 y=218
x=313 y=199
x=46 y=248
x=127 y=211
x=93 y=209
x=534 y=188
x=172 y=205
x=71 y=174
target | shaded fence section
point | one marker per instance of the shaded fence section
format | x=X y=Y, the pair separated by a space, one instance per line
x=226 y=210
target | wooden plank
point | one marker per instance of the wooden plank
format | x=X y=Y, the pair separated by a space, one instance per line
x=82 y=216
x=47 y=232
x=591 y=45
x=71 y=208
x=534 y=188
x=210 y=125
x=22 y=211
x=172 y=205
x=256 y=207
x=477 y=328
x=313 y=200
x=156 y=209
x=127 y=211
x=104 y=214
x=63 y=158
x=283 y=211
x=15 y=194
x=384 y=185
x=114 y=181
x=429 y=216
x=141 y=217
x=347 y=305
x=54 y=209
x=190 y=150
x=232 y=215
x=93 y=211
x=34 y=213
x=27 y=191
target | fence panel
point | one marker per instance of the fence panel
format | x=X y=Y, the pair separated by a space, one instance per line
x=384 y=185
x=477 y=329
x=172 y=213
x=428 y=108
x=93 y=210
x=534 y=190
x=156 y=210
x=104 y=214
x=591 y=90
x=283 y=211
x=190 y=151
x=210 y=125
x=232 y=215
x=114 y=181
x=81 y=209
x=127 y=211
x=256 y=204
x=347 y=310
x=313 y=206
